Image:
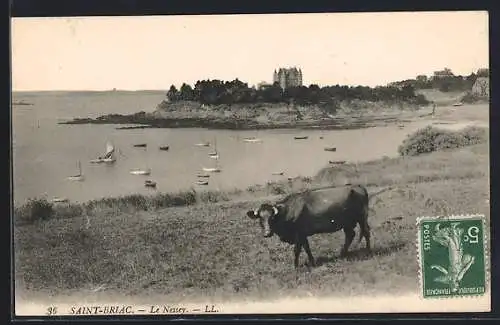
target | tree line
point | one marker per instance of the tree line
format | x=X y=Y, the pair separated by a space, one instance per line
x=236 y=91
x=446 y=81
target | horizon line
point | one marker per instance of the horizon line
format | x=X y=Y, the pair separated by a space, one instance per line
x=249 y=85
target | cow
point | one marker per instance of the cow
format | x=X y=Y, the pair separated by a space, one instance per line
x=322 y=210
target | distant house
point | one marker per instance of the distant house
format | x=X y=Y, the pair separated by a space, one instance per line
x=481 y=87
x=442 y=74
x=262 y=85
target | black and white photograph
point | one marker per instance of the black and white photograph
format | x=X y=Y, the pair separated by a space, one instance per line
x=251 y=164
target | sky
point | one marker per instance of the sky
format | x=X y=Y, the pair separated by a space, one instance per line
x=153 y=52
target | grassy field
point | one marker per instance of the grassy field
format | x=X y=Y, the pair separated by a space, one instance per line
x=207 y=248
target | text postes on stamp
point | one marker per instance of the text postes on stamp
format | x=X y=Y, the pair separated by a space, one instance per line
x=452 y=256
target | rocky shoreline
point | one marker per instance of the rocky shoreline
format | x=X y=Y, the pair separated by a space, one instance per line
x=142 y=120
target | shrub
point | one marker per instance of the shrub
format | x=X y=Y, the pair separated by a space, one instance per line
x=469 y=98
x=34 y=210
x=431 y=139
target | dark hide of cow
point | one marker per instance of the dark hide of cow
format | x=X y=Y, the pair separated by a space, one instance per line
x=325 y=210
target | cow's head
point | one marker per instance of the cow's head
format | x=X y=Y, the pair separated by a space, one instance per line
x=266 y=215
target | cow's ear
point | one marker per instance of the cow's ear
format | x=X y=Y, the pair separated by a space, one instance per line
x=252 y=214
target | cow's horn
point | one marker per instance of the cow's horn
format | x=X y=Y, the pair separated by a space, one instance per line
x=275 y=210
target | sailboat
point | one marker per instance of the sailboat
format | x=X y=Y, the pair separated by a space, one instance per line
x=141 y=171
x=214 y=154
x=252 y=139
x=108 y=157
x=215 y=169
x=79 y=176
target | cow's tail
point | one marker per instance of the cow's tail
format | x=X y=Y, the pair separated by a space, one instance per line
x=364 y=227
x=380 y=192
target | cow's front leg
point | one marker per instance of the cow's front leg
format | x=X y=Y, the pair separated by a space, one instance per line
x=349 y=236
x=308 y=252
x=297 y=250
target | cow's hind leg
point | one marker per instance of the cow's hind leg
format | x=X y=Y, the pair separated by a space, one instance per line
x=308 y=252
x=349 y=236
x=365 y=232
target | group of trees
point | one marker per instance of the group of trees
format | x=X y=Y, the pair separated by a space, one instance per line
x=445 y=81
x=231 y=92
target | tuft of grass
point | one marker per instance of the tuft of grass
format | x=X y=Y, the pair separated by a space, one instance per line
x=430 y=139
x=33 y=211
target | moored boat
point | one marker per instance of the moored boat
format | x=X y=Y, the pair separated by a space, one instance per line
x=337 y=162
x=58 y=199
x=108 y=157
x=211 y=170
x=78 y=177
x=146 y=171
x=252 y=140
x=331 y=149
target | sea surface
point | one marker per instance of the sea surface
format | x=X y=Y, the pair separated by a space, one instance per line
x=45 y=152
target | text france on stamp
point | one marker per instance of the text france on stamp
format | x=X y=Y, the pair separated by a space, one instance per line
x=453 y=256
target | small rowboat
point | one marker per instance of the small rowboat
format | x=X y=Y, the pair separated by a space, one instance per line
x=164 y=148
x=149 y=183
x=203 y=144
x=213 y=155
x=77 y=178
x=252 y=140
x=331 y=149
x=59 y=199
x=140 y=145
x=203 y=175
x=140 y=171
x=201 y=182
x=278 y=173
x=301 y=137
x=211 y=170
x=458 y=104
x=337 y=162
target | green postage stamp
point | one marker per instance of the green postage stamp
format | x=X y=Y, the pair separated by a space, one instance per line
x=453 y=256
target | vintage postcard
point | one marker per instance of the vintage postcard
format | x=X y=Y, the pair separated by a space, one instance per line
x=251 y=164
